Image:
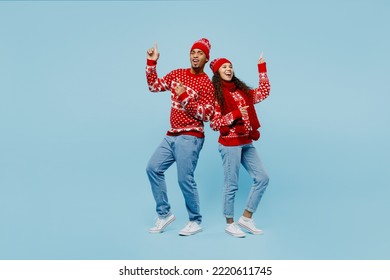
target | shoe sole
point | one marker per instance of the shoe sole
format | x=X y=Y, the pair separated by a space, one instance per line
x=189 y=233
x=236 y=235
x=251 y=231
x=164 y=227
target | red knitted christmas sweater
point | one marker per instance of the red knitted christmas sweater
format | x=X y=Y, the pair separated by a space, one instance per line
x=191 y=108
x=259 y=94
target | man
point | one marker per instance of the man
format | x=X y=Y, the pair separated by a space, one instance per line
x=192 y=102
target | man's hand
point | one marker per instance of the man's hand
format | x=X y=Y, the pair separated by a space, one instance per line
x=153 y=53
x=179 y=89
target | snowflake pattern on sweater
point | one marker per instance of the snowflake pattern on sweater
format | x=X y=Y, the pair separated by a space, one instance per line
x=259 y=94
x=191 y=108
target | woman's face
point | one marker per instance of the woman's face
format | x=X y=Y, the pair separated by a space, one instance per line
x=226 y=71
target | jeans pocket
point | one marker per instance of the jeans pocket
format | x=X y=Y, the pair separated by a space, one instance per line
x=190 y=138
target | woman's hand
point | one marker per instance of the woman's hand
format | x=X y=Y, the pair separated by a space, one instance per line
x=244 y=111
x=261 y=59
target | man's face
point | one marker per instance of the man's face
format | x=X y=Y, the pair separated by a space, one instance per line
x=198 y=59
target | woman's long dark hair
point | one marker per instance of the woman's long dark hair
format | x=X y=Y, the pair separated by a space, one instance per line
x=217 y=82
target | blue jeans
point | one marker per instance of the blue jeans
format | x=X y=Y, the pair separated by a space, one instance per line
x=232 y=157
x=184 y=150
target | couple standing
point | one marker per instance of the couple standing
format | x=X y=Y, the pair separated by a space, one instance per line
x=228 y=103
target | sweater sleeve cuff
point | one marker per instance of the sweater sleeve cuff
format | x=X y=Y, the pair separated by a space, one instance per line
x=150 y=62
x=236 y=114
x=183 y=96
x=262 y=67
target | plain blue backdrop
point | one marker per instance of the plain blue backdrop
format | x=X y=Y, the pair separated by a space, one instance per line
x=78 y=125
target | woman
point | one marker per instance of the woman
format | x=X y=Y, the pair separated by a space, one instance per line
x=236 y=120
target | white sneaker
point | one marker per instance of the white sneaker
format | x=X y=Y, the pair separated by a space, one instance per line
x=190 y=229
x=249 y=225
x=234 y=230
x=161 y=224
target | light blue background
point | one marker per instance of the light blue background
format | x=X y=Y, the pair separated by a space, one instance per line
x=78 y=125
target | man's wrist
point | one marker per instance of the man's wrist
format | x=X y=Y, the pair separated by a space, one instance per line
x=151 y=62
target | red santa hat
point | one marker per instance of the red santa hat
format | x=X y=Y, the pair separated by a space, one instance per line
x=204 y=45
x=217 y=63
